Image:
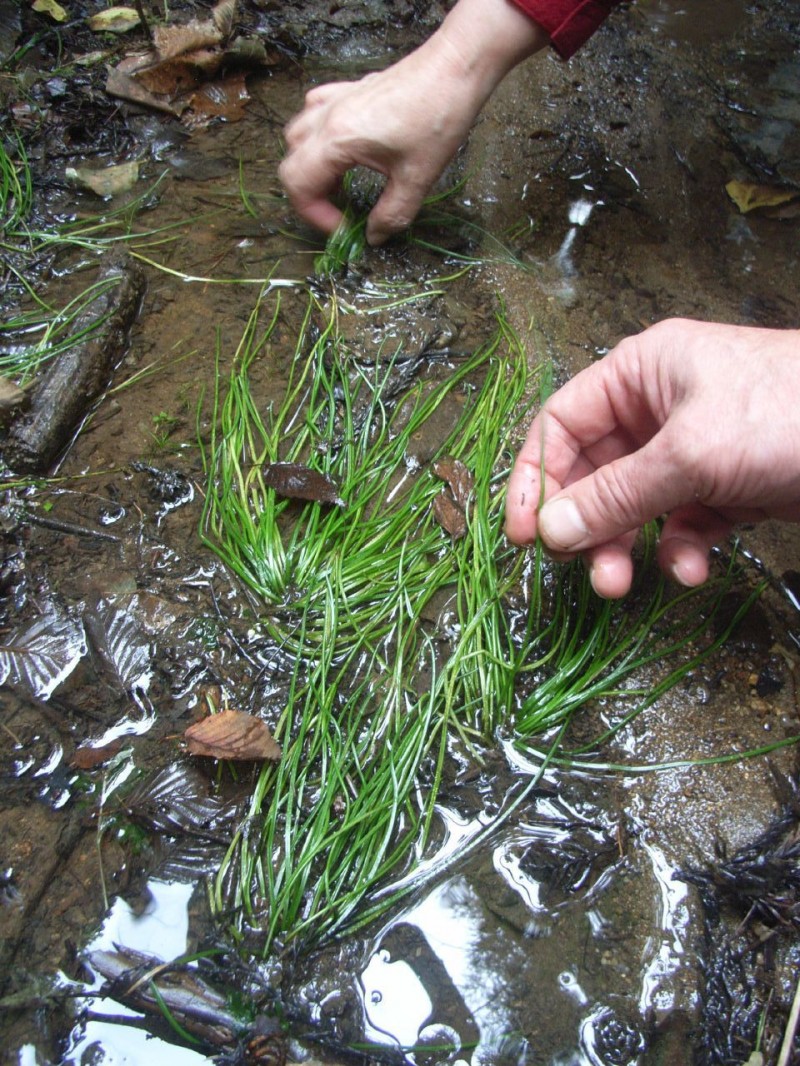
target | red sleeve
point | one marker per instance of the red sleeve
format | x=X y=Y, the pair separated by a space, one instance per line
x=568 y=22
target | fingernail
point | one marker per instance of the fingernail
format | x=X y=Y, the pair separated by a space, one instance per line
x=682 y=574
x=596 y=577
x=561 y=524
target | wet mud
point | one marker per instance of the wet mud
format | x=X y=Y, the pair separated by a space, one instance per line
x=618 y=918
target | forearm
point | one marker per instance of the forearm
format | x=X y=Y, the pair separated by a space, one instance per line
x=483 y=40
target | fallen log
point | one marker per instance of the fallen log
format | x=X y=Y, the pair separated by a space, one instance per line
x=75 y=378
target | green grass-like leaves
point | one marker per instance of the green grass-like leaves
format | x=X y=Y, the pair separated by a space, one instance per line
x=379 y=687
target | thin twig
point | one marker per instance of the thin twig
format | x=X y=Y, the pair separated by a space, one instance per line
x=140 y=10
x=70 y=528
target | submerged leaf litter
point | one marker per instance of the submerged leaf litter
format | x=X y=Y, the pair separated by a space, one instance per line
x=461 y=901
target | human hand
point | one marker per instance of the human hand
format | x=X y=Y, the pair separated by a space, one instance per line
x=696 y=421
x=405 y=122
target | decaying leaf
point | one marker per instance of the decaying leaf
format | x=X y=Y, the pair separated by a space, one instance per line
x=749 y=196
x=449 y=515
x=177 y=40
x=51 y=8
x=114 y=20
x=44 y=654
x=224 y=16
x=183 y=74
x=108 y=182
x=451 y=508
x=298 y=482
x=232 y=735
x=118 y=643
x=123 y=82
x=224 y=98
x=87 y=758
x=458 y=477
x=172 y=41
x=177 y=799
x=174 y=78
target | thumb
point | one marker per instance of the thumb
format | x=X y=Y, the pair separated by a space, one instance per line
x=615 y=499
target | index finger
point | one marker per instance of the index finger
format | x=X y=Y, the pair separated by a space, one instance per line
x=578 y=429
x=535 y=477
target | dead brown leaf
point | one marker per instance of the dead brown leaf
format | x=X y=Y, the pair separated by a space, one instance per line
x=175 y=75
x=232 y=735
x=172 y=78
x=172 y=41
x=123 y=81
x=298 y=482
x=449 y=515
x=225 y=98
x=224 y=16
x=458 y=476
x=87 y=758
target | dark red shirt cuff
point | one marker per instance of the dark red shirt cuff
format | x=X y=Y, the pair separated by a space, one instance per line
x=568 y=22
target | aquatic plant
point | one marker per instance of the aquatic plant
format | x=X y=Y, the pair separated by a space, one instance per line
x=54 y=328
x=16 y=191
x=435 y=221
x=401 y=637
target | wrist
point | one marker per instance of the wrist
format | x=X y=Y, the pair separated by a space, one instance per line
x=480 y=41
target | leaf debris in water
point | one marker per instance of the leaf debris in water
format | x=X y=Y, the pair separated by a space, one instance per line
x=298 y=482
x=449 y=515
x=451 y=509
x=232 y=735
x=44 y=654
x=87 y=757
x=750 y=196
x=114 y=20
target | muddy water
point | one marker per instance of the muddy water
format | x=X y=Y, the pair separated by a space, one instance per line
x=565 y=937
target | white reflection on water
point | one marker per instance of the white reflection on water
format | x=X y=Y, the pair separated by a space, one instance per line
x=451 y=921
x=104 y=1044
x=667 y=956
x=395 y=1000
x=161 y=930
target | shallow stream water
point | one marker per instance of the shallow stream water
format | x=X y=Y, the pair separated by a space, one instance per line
x=565 y=938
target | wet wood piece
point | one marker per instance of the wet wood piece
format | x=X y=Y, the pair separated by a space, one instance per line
x=298 y=482
x=77 y=376
x=131 y=975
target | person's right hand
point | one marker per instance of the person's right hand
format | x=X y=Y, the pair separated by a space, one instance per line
x=693 y=420
x=405 y=122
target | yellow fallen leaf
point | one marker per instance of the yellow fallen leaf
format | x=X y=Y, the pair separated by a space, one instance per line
x=51 y=8
x=749 y=196
x=110 y=181
x=114 y=20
